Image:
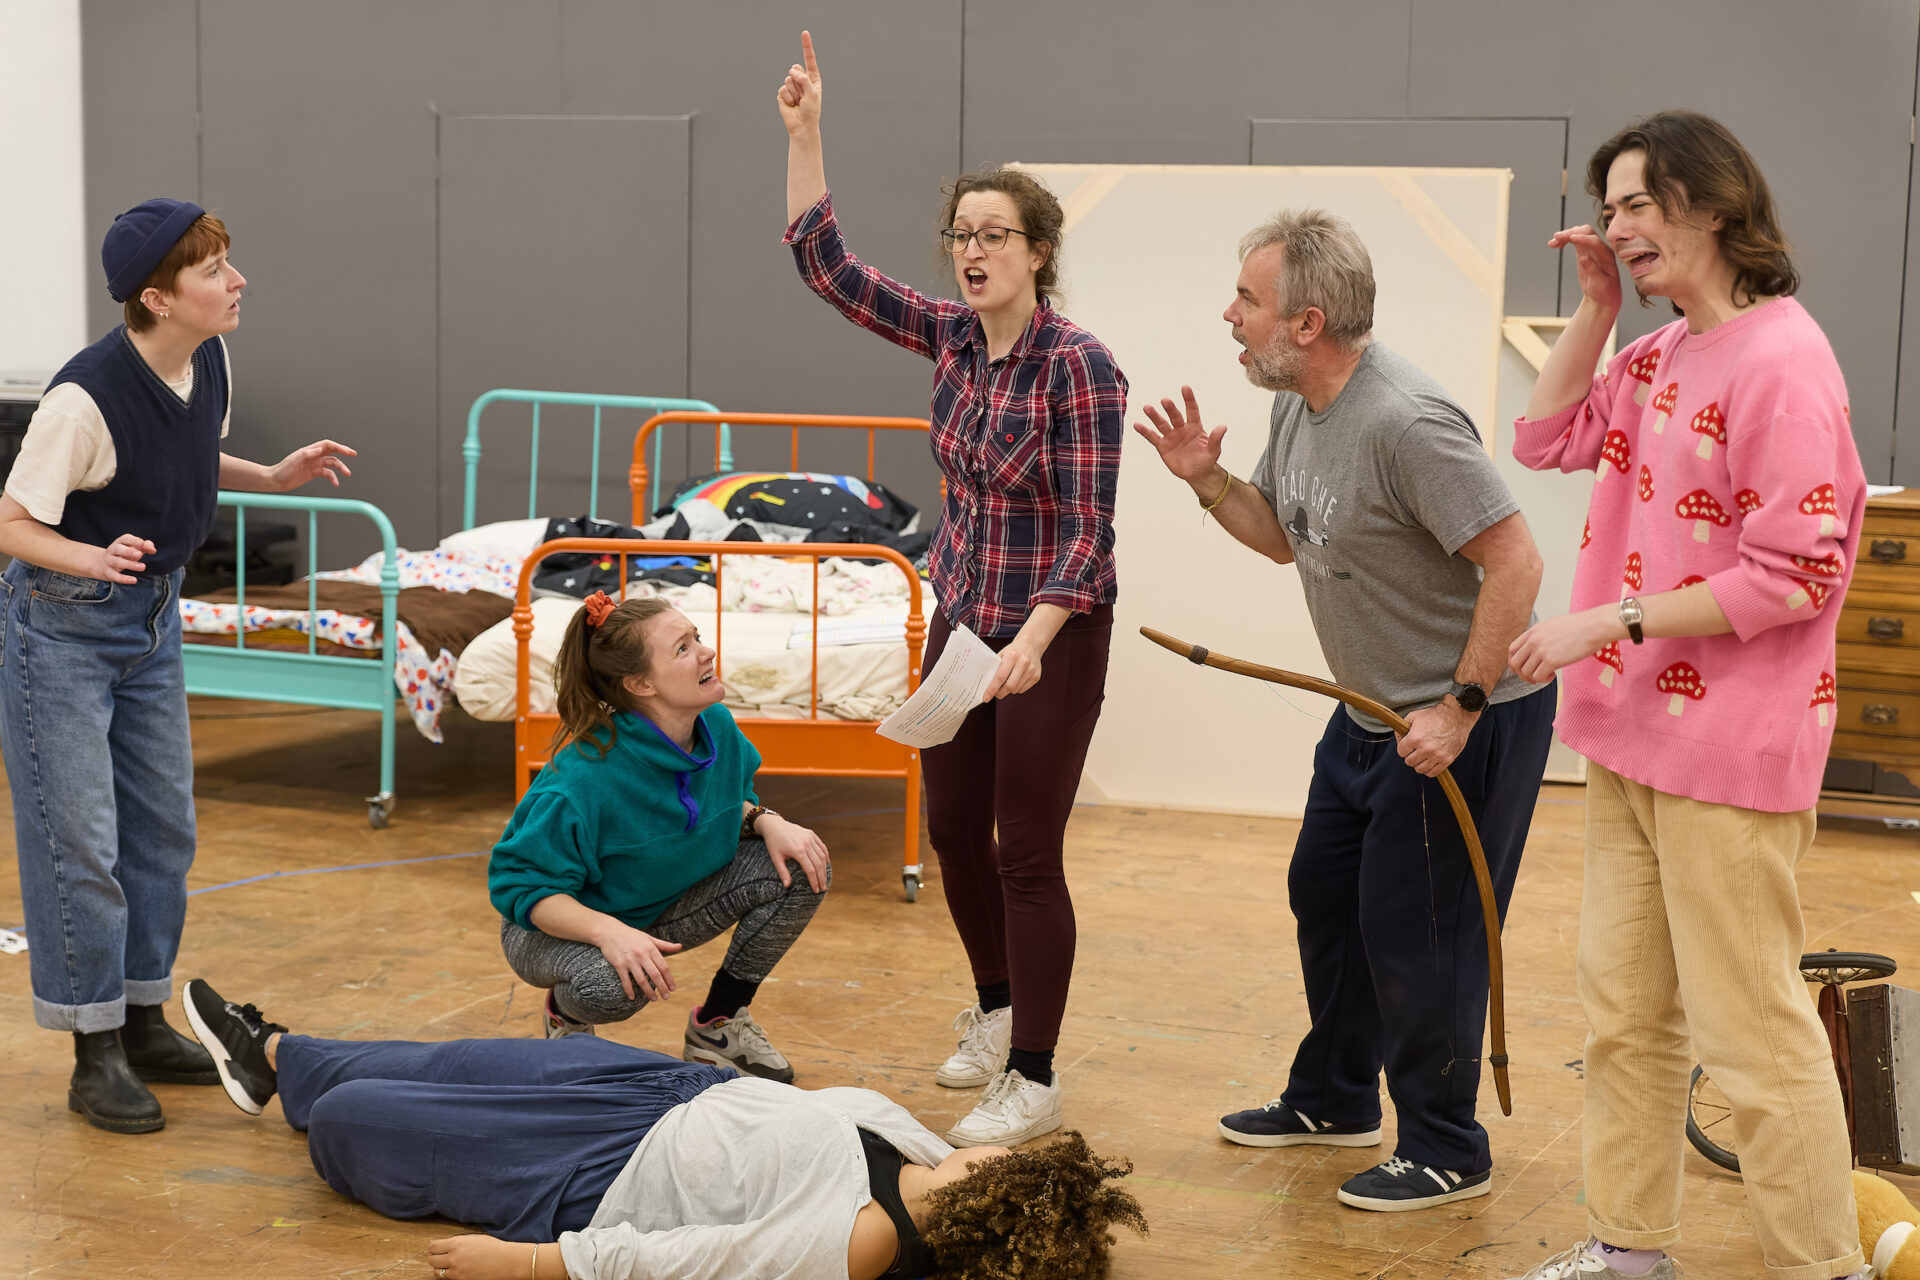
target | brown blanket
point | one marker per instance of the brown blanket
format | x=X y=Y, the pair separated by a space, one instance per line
x=438 y=619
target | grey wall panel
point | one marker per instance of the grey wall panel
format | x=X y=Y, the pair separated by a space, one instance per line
x=578 y=282
x=1533 y=149
x=892 y=106
x=1822 y=95
x=139 y=71
x=319 y=147
x=1155 y=82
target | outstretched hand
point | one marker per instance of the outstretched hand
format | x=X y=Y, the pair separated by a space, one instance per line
x=1188 y=448
x=799 y=95
x=1599 y=268
x=321 y=458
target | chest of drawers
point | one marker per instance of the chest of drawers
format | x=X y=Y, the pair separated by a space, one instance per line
x=1878 y=669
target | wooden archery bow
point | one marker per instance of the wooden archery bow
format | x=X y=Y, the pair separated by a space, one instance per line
x=1489 y=909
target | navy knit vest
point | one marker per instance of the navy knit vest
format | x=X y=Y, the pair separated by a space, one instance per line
x=166 y=452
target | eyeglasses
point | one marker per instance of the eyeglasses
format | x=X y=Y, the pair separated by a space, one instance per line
x=992 y=239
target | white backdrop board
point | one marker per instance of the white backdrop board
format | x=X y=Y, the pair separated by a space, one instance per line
x=1149 y=265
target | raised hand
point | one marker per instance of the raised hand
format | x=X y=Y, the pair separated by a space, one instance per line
x=1599 y=268
x=799 y=95
x=321 y=458
x=1188 y=448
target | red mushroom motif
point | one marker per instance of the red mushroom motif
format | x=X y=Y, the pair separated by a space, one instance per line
x=1632 y=576
x=1824 y=696
x=1820 y=503
x=1830 y=565
x=1616 y=450
x=1683 y=682
x=1701 y=508
x=1646 y=485
x=1712 y=427
x=1691 y=580
x=1642 y=370
x=1814 y=591
x=1748 y=501
x=1610 y=662
x=1663 y=406
x=1586 y=534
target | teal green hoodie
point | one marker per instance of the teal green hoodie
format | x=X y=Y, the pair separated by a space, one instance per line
x=630 y=833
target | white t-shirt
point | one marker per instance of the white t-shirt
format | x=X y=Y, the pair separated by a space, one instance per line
x=68 y=449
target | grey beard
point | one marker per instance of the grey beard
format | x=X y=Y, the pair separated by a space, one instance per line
x=1277 y=368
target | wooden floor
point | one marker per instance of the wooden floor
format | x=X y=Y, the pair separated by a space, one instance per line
x=1187 y=1004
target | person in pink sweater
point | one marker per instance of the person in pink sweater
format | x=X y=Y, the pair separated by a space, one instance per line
x=1697 y=669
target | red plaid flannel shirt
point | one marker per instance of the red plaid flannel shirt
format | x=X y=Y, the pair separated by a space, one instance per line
x=1029 y=444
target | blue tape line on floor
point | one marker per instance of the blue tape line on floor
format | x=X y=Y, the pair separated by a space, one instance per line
x=321 y=871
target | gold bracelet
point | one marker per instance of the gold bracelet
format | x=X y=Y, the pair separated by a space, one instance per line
x=1207 y=508
x=533 y=1268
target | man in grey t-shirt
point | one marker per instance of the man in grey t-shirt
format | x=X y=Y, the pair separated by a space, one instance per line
x=1419 y=572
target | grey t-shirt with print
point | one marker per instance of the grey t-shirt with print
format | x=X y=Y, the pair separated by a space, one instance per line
x=1377 y=495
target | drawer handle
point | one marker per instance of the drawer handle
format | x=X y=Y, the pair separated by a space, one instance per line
x=1886 y=628
x=1880 y=713
x=1888 y=549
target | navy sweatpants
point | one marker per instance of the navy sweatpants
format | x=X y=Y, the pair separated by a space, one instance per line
x=1392 y=948
x=520 y=1138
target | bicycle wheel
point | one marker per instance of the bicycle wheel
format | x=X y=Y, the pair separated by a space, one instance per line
x=1710 y=1122
x=1837 y=968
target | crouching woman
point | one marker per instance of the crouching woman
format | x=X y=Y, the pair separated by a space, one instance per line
x=643 y=836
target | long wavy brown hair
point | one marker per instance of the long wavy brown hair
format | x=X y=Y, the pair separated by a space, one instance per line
x=589 y=674
x=1045 y=1212
x=1695 y=168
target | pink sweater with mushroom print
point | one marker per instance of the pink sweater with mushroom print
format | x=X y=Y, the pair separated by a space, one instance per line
x=1725 y=457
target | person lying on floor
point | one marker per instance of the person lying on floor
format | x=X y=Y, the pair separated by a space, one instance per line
x=643 y=836
x=638 y=1165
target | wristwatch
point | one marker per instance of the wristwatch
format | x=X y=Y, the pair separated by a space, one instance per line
x=1471 y=697
x=1631 y=617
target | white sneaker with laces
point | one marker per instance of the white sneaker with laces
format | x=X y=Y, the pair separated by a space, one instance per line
x=736 y=1042
x=1582 y=1263
x=1012 y=1110
x=982 y=1055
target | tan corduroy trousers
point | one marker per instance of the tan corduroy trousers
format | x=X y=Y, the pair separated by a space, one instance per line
x=1690 y=941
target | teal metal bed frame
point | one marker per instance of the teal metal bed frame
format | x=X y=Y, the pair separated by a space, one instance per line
x=366 y=684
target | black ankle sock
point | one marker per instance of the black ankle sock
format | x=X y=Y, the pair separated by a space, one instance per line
x=1035 y=1064
x=726 y=997
x=996 y=995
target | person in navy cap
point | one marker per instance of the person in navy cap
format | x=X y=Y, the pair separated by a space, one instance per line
x=113 y=489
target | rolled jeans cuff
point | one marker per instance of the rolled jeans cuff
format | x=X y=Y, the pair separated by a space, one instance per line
x=106 y=1015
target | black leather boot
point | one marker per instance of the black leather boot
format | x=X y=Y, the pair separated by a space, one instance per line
x=159 y=1054
x=105 y=1090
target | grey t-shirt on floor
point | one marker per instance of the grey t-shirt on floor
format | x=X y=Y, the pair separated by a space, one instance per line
x=1377 y=495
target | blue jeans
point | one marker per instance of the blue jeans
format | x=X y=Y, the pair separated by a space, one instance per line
x=520 y=1138
x=1392 y=946
x=93 y=724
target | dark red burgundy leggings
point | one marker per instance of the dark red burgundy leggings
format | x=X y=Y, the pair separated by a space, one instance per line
x=1015 y=767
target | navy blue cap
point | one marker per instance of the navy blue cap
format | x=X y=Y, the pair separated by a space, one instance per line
x=140 y=238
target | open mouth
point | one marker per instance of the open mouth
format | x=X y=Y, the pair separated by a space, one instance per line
x=976 y=280
x=1640 y=261
x=708 y=678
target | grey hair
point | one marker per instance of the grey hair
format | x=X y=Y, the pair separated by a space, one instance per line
x=1324 y=265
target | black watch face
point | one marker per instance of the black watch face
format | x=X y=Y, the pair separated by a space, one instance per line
x=1471 y=697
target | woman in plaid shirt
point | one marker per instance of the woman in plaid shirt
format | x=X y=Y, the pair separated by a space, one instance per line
x=1028 y=411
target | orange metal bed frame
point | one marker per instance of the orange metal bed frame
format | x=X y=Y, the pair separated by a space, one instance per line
x=816 y=746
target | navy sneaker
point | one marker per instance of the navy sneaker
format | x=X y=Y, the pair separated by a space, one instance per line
x=1400 y=1185
x=236 y=1036
x=1279 y=1125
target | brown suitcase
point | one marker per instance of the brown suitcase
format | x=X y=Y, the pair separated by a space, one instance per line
x=1883 y=1033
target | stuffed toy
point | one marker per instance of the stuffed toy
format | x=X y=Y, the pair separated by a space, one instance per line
x=1888 y=1235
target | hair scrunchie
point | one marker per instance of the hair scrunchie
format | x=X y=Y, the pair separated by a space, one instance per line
x=599 y=608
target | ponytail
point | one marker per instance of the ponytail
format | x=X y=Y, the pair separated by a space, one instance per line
x=589 y=675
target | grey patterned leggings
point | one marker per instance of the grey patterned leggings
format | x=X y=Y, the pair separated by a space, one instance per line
x=747 y=892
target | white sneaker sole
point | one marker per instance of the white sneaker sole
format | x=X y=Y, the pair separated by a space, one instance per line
x=1408 y=1206
x=1371 y=1139
x=947 y=1080
x=1004 y=1138
x=218 y=1052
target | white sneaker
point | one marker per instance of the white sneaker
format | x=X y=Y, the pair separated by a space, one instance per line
x=982 y=1055
x=1012 y=1110
x=736 y=1042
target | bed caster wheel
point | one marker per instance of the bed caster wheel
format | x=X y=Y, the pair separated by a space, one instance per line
x=912 y=884
x=380 y=810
